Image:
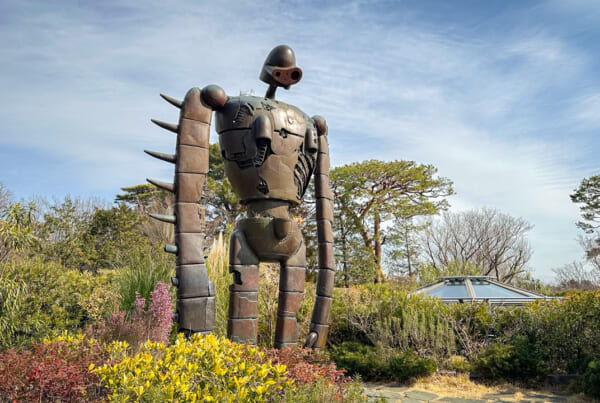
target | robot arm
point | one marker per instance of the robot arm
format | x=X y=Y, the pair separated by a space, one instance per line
x=195 y=292
x=319 y=325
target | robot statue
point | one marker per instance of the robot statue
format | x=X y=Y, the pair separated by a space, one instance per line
x=270 y=151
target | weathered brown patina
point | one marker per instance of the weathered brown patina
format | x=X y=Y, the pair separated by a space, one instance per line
x=270 y=150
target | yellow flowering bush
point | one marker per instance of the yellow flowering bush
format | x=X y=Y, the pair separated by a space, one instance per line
x=203 y=369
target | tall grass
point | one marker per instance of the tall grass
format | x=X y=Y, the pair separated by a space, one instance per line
x=218 y=272
x=141 y=270
x=12 y=297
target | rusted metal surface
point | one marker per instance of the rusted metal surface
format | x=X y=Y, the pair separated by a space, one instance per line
x=195 y=292
x=270 y=150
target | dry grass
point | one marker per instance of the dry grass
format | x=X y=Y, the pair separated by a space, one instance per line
x=461 y=386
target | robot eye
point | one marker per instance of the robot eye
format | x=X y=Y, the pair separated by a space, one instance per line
x=277 y=73
x=295 y=75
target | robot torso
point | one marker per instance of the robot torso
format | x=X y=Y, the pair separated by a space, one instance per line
x=269 y=148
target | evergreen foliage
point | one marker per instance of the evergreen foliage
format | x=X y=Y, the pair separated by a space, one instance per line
x=591 y=380
x=520 y=360
x=588 y=194
x=372 y=193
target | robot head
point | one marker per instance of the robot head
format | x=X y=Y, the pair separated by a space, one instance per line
x=280 y=68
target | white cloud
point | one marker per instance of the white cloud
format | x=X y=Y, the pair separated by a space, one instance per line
x=82 y=82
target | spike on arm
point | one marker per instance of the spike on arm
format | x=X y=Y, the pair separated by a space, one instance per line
x=167 y=126
x=164 y=218
x=162 y=156
x=169 y=187
x=172 y=101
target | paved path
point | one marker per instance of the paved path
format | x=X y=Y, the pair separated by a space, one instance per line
x=412 y=395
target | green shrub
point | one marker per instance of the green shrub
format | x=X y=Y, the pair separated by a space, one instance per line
x=407 y=365
x=579 y=364
x=563 y=333
x=567 y=330
x=358 y=359
x=46 y=299
x=520 y=360
x=495 y=361
x=473 y=326
x=12 y=299
x=591 y=379
x=395 y=320
x=315 y=376
x=459 y=364
x=373 y=363
x=323 y=391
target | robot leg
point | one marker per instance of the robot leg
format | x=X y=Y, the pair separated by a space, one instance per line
x=291 y=294
x=243 y=293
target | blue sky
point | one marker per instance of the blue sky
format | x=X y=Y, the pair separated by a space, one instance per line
x=502 y=96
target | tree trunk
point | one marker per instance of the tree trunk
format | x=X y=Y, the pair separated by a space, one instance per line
x=379 y=275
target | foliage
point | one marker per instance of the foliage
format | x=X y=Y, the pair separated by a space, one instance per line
x=459 y=363
x=322 y=391
x=520 y=360
x=223 y=204
x=359 y=359
x=152 y=323
x=16 y=228
x=405 y=248
x=142 y=269
x=588 y=194
x=268 y=291
x=374 y=363
x=372 y=193
x=355 y=261
x=591 y=246
x=55 y=370
x=114 y=234
x=62 y=233
x=393 y=319
x=565 y=330
x=561 y=332
x=12 y=299
x=407 y=365
x=473 y=326
x=304 y=315
x=529 y=283
x=87 y=236
x=306 y=366
x=102 y=302
x=48 y=299
x=591 y=379
x=204 y=368
x=217 y=264
x=142 y=197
